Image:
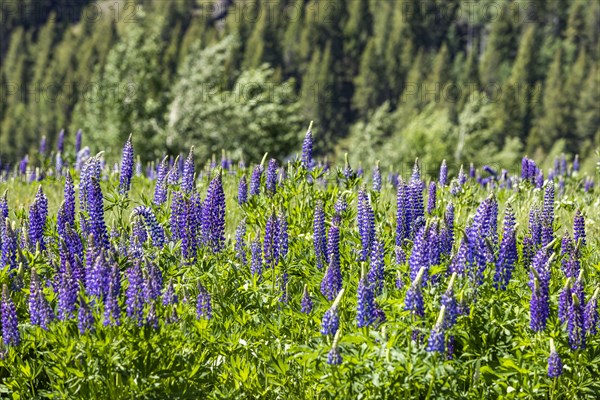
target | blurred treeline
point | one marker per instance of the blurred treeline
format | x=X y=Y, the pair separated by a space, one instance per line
x=484 y=81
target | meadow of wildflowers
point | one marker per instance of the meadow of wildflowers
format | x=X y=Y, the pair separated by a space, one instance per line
x=297 y=279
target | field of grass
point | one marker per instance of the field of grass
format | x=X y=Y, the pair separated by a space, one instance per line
x=239 y=323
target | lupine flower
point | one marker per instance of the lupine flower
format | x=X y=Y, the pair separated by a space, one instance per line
x=332 y=280
x=575 y=323
x=134 y=299
x=40 y=312
x=160 y=190
x=450 y=304
x=60 y=141
x=38 y=213
x=58 y=164
x=282 y=235
x=419 y=256
x=243 y=190
x=377 y=178
x=431 y=200
x=365 y=307
x=548 y=214
x=283 y=282
x=189 y=173
x=3 y=209
x=174 y=173
x=112 y=312
x=67 y=294
x=256 y=261
x=307 y=148
x=366 y=224
x=347 y=171
x=333 y=356
x=539 y=281
x=436 y=338
x=376 y=272
x=413 y=301
x=555 y=367
x=579 y=228
x=43 y=145
x=170 y=299
x=78 y=136
x=157 y=232
x=255 y=180
x=570 y=260
x=331 y=318
x=591 y=318
x=448 y=231
x=403 y=213
x=271 y=250
x=508 y=251
x=319 y=235
x=126 y=168
x=153 y=281
x=462 y=177
x=240 y=242
x=85 y=317
x=213 y=216
x=306 y=303
x=10 y=323
x=96 y=213
x=203 y=304
x=443 y=179
x=9 y=246
x=564 y=301
x=271 y=177
x=416 y=199
x=450 y=348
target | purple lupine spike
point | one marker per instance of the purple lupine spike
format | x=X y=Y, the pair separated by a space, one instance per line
x=347 y=171
x=270 y=251
x=43 y=145
x=443 y=179
x=570 y=261
x=112 y=312
x=306 y=303
x=307 y=148
x=151 y=316
x=448 y=236
x=365 y=308
x=332 y=280
x=174 y=173
x=283 y=282
x=434 y=240
x=160 y=190
x=588 y=184
x=472 y=171
x=97 y=275
x=69 y=194
x=67 y=294
x=255 y=180
x=548 y=214
x=240 y=241
x=334 y=356
x=85 y=317
x=213 y=216
x=242 y=190
x=38 y=213
x=377 y=177
x=437 y=341
x=271 y=177
x=417 y=209
x=58 y=164
x=419 y=256
x=10 y=323
x=170 y=300
x=331 y=319
x=400 y=255
x=126 y=168
x=431 y=200
x=256 y=263
x=403 y=213
x=555 y=366
x=203 y=304
x=366 y=224
x=3 y=209
x=413 y=300
x=462 y=177
x=157 y=233
x=178 y=216
x=539 y=179
x=189 y=173
x=575 y=323
x=60 y=141
x=591 y=317
x=138 y=238
x=40 y=312
x=282 y=238
x=564 y=301
x=450 y=304
x=78 y=137
x=319 y=235
x=96 y=213
x=576 y=163
x=376 y=273
x=539 y=281
x=134 y=298
x=153 y=282
x=508 y=251
x=9 y=246
x=579 y=228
